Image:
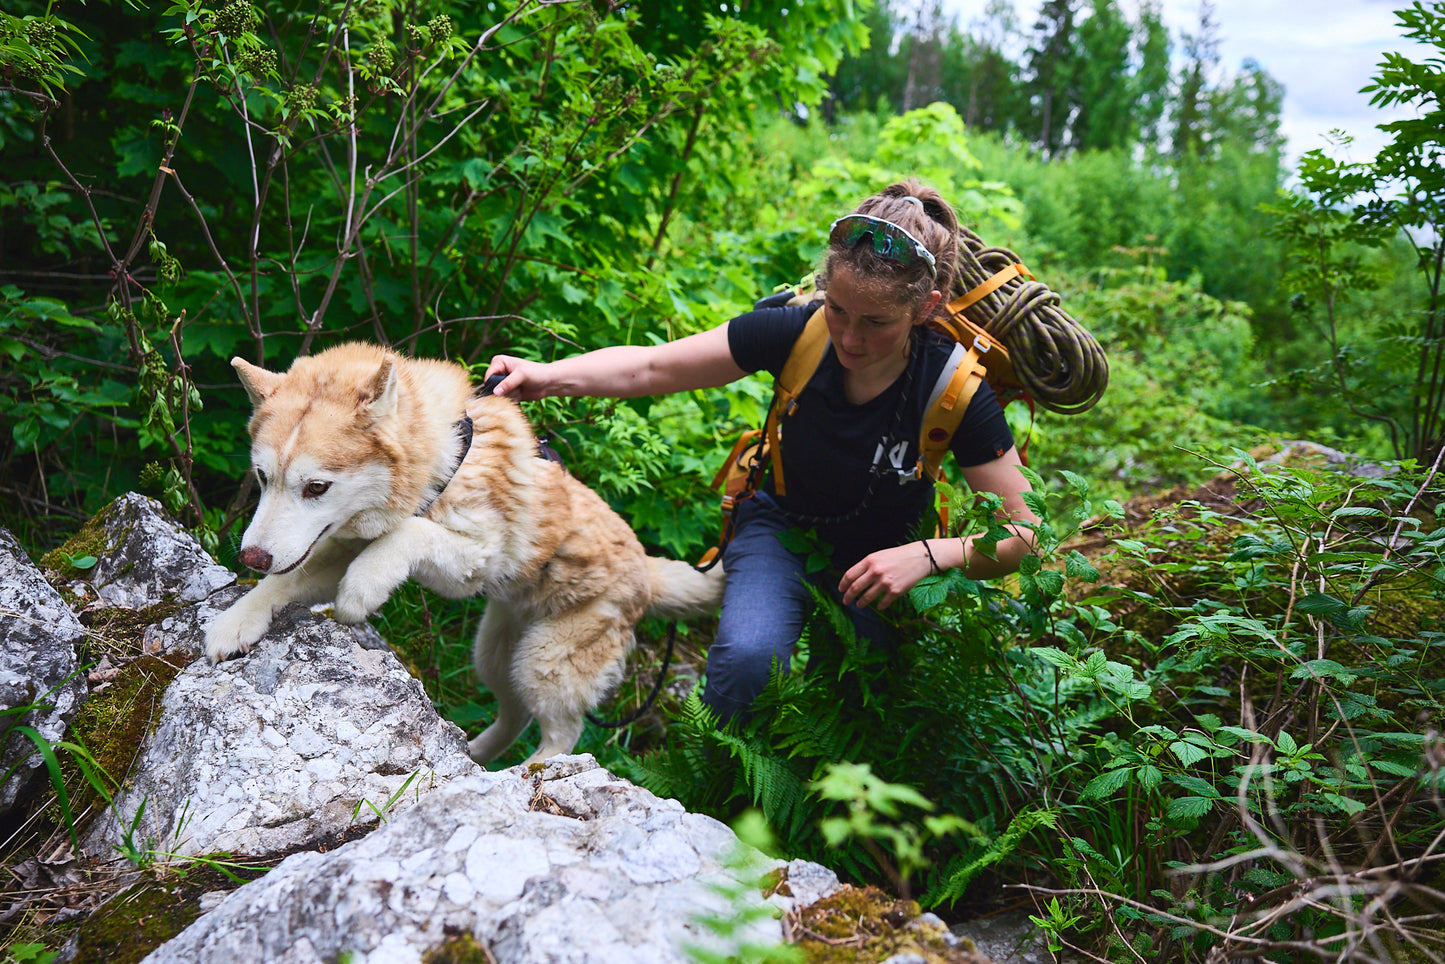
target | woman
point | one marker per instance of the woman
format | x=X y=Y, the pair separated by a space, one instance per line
x=850 y=447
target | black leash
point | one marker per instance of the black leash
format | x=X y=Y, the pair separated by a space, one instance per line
x=545 y=451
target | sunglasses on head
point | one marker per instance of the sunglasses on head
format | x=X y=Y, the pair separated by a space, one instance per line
x=889 y=240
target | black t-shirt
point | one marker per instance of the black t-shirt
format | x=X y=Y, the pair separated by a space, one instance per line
x=833 y=450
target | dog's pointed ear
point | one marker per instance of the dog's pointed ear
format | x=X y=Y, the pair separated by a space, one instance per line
x=378 y=399
x=258 y=382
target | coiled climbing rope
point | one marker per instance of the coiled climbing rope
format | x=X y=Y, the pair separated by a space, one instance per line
x=1054 y=358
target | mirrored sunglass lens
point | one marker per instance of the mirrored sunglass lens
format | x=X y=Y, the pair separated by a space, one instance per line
x=853 y=232
x=883 y=244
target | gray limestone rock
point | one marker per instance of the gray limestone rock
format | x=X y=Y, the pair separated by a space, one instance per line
x=143 y=558
x=39 y=667
x=1313 y=453
x=320 y=726
x=809 y=882
x=295 y=741
x=1009 y=938
x=564 y=865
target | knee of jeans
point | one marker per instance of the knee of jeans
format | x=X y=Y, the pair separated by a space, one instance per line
x=737 y=674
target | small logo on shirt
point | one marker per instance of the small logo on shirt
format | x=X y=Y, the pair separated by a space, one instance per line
x=889 y=459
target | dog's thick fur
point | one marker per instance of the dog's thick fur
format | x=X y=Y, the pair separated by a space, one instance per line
x=349 y=444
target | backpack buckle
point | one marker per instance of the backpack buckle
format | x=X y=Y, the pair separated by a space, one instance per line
x=980 y=345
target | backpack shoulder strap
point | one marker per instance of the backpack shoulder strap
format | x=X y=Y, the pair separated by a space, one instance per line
x=951 y=394
x=797 y=371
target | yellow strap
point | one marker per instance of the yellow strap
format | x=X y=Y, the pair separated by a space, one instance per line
x=797 y=371
x=734 y=463
x=941 y=420
x=991 y=285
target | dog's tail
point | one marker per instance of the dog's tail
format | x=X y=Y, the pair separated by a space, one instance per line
x=680 y=591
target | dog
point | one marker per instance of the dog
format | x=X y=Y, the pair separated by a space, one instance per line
x=375 y=468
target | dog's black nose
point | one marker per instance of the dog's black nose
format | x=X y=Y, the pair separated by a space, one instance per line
x=257 y=559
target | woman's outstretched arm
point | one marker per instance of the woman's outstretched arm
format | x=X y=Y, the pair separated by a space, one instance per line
x=624 y=371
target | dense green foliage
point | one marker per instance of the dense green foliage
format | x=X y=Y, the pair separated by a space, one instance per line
x=1210 y=729
x=1222 y=730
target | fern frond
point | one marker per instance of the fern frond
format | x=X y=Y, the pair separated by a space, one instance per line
x=962 y=869
x=776 y=788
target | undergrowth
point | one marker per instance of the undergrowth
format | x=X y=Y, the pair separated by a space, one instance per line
x=1229 y=747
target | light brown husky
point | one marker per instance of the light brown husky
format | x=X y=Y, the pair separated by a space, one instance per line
x=375 y=468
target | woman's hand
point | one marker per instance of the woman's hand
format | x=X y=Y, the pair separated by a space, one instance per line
x=526 y=380
x=885 y=575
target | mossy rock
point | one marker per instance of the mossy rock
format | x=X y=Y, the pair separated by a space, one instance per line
x=91 y=541
x=114 y=722
x=863 y=925
x=1197 y=526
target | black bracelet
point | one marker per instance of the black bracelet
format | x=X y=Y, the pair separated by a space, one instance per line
x=933 y=563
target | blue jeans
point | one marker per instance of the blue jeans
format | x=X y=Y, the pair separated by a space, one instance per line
x=764 y=608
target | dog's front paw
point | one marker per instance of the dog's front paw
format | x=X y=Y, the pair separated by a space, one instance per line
x=235 y=631
x=353 y=603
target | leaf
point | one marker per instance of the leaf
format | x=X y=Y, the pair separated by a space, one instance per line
x=1325 y=669
x=1078 y=482
x=1037 y=504
x=57 y=780
x=1078 y=567
x=1344 y=804
x=1050 y=583
x=1188 y=753
x=1189 y=808
x=1195 y=785
x=1106 y=784
x=1394 y=769
x=928 y=593
x=1321 y=604
x=1356 y=510
x=1056 y=657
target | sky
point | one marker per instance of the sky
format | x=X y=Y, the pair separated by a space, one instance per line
x=1322 y=51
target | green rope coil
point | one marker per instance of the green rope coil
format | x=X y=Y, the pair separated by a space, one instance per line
x=1054 y=358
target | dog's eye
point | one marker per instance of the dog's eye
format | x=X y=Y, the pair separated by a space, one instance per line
x=317 y=488
x=261 y=477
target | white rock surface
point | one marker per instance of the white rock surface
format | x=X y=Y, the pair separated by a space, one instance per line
x=39 y=666
x=321 y=725
x=570 y=865
x=284 y=746
x=146 y=558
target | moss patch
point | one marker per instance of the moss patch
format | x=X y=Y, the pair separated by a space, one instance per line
x=114 y=722
x=144 y=916
x=460 y=947
x=89 y=540
x=857 y=925
x=118 y=632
